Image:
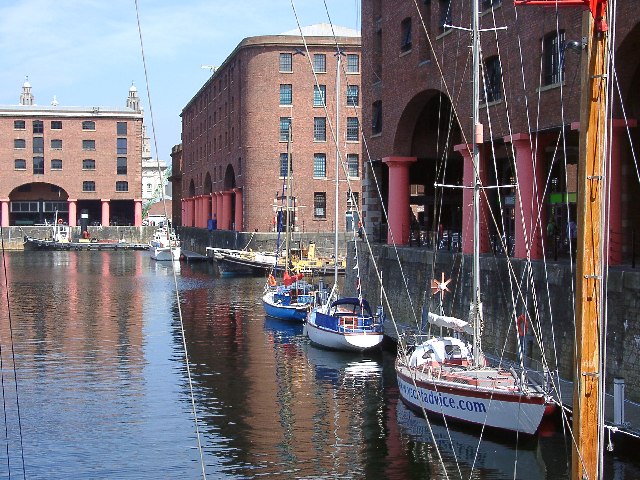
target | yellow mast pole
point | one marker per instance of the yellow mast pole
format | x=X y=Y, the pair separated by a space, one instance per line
x=589 y=265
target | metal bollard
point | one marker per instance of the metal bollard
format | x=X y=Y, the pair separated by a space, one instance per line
x=618 y=401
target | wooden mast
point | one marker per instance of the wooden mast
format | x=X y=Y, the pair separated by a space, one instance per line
x=587 y=429
x=589 y=264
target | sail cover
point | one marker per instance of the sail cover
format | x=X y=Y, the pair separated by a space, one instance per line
x=450 y=322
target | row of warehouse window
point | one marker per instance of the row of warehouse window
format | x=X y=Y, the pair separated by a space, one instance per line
x=319 y=62
x=56 y=144
x=90 y=125
x=320 y=129
x=319 y=95
x=320 y=165
x=56 y=164
x=320 y=203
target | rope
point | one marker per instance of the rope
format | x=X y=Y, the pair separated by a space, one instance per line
x=15 y=374
x=175 y=280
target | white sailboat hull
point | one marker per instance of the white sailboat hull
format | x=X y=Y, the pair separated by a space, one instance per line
x=165 y=254
x=346 y=339
x=512 y=411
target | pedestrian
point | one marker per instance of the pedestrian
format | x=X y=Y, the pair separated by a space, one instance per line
x=360 y=230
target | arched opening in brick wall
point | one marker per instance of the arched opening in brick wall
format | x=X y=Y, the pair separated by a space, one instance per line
x=37 y=203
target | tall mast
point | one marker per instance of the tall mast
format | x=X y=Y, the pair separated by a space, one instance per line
x=337 y=213
x=287 y=200
x=589 y=262
x=475 y=138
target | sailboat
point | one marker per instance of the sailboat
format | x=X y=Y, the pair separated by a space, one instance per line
x=448 y=376
x=165 y=246
x=292 y=298
x=344 y=323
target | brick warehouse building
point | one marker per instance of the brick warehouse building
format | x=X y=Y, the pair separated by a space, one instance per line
x=71 y=160
x=235 y=134
x=409 y=139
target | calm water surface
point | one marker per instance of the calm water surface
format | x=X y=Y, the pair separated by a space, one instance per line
x=103 y=392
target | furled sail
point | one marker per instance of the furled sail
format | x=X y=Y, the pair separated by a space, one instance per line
x=450 y=322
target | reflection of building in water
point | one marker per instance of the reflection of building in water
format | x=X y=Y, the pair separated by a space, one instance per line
x=287 y=403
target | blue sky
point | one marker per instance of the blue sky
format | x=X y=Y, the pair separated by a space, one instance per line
x=87 y=52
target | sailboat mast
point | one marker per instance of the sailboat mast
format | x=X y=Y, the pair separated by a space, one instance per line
x=475 y=138
x=287 y=200
x=586 y=460
x=337 y=214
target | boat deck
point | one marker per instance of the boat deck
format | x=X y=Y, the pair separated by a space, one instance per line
x=631 y=424
x=190 y=256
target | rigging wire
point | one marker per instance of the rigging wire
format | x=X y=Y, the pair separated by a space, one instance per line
x=15 y=374
x=175 y=280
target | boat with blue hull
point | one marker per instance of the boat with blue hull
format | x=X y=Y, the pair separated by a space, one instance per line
x=290 y=300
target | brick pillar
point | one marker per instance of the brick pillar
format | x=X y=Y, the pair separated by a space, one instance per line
x=227 y=198
x=183 y=212
x=5 y=212
x=137 y=212
x=399 y=218
x=105 y=212
x=73 y=211
x=530 y=214
x=239 y=216
x=467 y=201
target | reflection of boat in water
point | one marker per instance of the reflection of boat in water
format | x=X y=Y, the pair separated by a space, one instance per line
x=283 y=332
x=470 y=452
x=332 y=366
x=167 y=268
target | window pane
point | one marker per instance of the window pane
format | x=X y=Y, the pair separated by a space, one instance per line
x=122 y=186
x=56 y=144
x=56 y=164
x=286 y=64
x=88 y=125
x=319 y=129
x=19 y=124
x=320 y=205
x=353 y=63
x=88 y=186
x=88 y=164
x=319 y=165
x=492 y=80
x=353 y=165
x=38 y=165
x=122 y=146
x=20 y=164
x=353 y=128
x=353 y=95
x=319 y=95
x=56 y=125
x=376 y=120
x=121 y=168
x=19 y=143
x=38 y=126
x=88 y=144
x=319 y=63
x=38 y=145
x=286 y=95
x=283 y=165
x=405 y=45
x=445 y=15
x=553 y=65
x=285 y=123
x=121 y=128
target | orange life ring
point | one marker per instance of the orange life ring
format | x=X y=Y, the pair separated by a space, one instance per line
x=60 y=221
x=272 y=281
x=521 y=323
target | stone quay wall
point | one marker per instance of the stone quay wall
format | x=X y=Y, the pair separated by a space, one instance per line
x=13 y=237
x=548 y=292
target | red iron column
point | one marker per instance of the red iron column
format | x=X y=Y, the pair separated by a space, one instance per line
x=105 y=212
x=226 y=209
x=238 y=219
x=137 y=212
x=529 y=226
x=5 y=212
x=467 y=201
x=73 y=211
x=399 y=219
